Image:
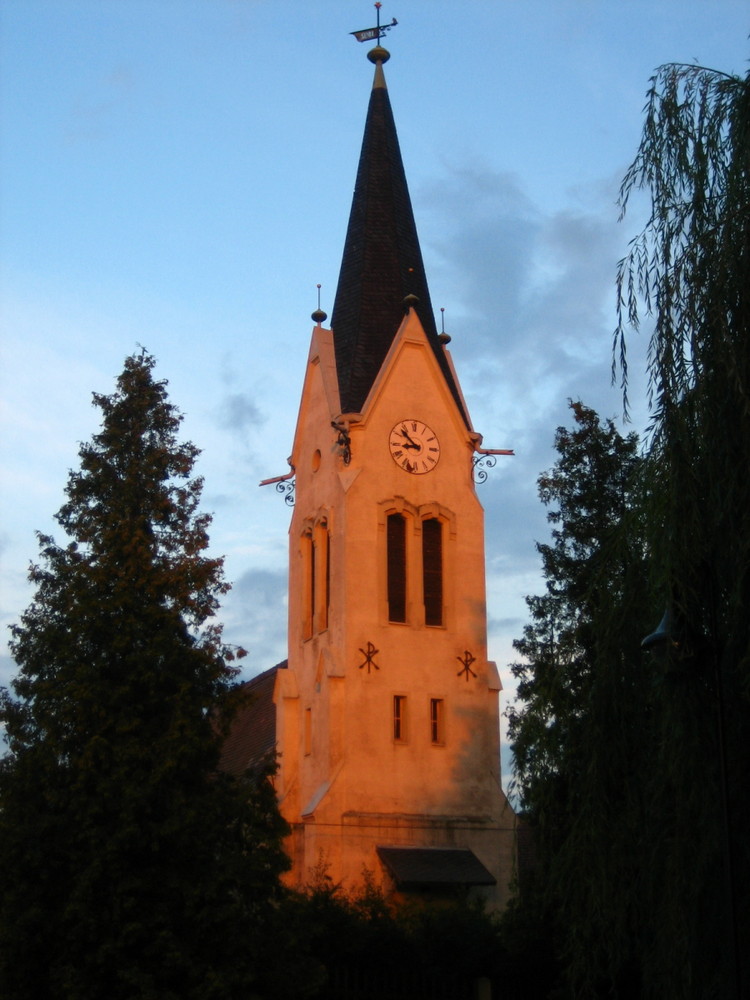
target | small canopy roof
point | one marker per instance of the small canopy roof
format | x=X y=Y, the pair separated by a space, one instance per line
x=434 y=866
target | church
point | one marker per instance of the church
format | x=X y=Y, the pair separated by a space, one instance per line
x=385 y=717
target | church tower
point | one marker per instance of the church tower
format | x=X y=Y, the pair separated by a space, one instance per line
x=386 y=715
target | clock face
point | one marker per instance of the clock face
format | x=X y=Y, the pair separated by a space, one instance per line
x=414 y=447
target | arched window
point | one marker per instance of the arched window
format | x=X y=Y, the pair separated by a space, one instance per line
x=308 y=582
x=416 y=562
x=432 y=570
x=396 y=556
x=316 y=561
x=322 y=564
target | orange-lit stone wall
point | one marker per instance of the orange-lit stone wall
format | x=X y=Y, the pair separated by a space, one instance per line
x=345 y=783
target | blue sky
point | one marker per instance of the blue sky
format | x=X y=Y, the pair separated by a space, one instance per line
x=178 y=174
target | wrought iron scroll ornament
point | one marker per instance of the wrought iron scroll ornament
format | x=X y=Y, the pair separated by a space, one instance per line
x=284 y=485
x=480 y=464
x=369 y=652
x=343 y=441
x=485 y=458
x=287 y=489
x=466 y=660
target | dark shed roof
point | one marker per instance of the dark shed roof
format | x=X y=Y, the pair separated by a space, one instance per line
x=252 y=733
x=381 y=264
x=423 y=866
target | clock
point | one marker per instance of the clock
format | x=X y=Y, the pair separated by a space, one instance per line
x=414 y=447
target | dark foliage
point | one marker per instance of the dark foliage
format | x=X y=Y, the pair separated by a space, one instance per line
x=634 y=766
x=580 y=687
x=366 y=946
x=130 y=867
x=690 y=270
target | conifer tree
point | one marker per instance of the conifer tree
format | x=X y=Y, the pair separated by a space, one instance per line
x=575 y=743
x=130 y=867
x=590 y=494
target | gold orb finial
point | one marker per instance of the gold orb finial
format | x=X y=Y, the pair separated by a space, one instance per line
x=378 y=54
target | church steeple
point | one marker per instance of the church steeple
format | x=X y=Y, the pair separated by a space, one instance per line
x=386 y=714
x=382 y=272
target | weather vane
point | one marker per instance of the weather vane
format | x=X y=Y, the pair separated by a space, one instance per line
x=378 y=32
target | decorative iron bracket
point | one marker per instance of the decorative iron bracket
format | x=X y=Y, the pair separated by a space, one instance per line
x=486 y=458
x=343 y=441
x=480 y=464
x=284 y=485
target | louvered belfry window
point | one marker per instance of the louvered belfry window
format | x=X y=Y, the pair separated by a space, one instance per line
x=396 y=568
x=432 y=571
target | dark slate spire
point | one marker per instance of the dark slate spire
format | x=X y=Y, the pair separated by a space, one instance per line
x=382 y=262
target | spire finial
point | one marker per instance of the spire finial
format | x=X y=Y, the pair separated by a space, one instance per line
x=319 y=316
x=443 y=337
x=378 y=54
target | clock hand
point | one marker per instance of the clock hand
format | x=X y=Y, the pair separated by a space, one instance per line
x=412 y=443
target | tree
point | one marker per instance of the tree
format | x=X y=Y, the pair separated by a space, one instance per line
x=590 y=495
x=689 y=269
x=130 y=866
x=432 y=949
x=634 y=766
x=580 y=686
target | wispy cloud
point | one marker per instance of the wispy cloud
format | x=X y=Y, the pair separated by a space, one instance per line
x=255 y=617
x=530 y=296
x=238 y=412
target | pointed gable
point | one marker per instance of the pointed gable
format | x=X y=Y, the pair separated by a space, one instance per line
x=382 y=262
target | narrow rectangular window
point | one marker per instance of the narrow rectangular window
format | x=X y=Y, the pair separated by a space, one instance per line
x=308 y=584
x=321 y=570
x=437 y=731
x=313 y=557
x=432 y=571
x=327 y=595
x=396 y=545
x=399 y=718
x=308 y=731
